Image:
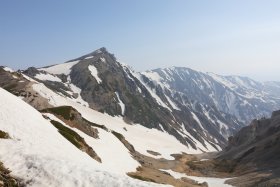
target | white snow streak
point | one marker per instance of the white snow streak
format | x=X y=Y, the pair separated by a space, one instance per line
x=8 y=69
x=94 y=73
x=64 y=68
x=151 y=91
x=174 y=106
x=197 y=120
x=47 y=77
x=122 y=105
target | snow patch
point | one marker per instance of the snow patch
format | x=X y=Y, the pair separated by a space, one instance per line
x=212 y=182
x=152 y=92
x=79 y=99
x=174 y=106
x=15 y=77
x=28 y=78
x=64 y=68
x=89 y=57
x=153 y=75
x=122 y=105
x=94 y=73
x=156 y=78
x=197 y=120
x=47 y=77
x=103 y=59
x=222 y=80
x=198 y=144
x=8 y=69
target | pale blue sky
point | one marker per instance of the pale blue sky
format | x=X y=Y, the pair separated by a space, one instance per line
x=239 y=37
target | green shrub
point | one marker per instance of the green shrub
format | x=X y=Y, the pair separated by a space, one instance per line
x=69 y=134
x=6 y=179
x=64 y=111
x=118 y=135
x=4 y=135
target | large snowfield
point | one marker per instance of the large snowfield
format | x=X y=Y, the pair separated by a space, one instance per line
x=40 y=156
x=154 y=140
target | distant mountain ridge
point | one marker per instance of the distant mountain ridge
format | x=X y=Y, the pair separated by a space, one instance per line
x=240 y=96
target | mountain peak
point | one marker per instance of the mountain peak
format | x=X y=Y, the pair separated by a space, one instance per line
x=99 y=51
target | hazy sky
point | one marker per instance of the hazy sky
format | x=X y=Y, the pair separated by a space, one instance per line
x=239 y=37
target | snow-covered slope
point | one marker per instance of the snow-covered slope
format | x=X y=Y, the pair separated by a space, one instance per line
x=40 y=156
x=106 y=146
x=64 y=68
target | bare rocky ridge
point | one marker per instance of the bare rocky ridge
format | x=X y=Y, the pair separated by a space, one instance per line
x=254 y=153
x=17 y=84
x=257 y=144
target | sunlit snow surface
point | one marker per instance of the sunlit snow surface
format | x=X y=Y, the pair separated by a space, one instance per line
x=94 y=73
x=40 y=156
x=48 y=77
x=114 y=155
x=122 y=105
x=64 y=68
x=8 y=69
x=212 y=182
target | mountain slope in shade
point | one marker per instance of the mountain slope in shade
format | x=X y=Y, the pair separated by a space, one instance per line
x=257 y=143
x=254 y=153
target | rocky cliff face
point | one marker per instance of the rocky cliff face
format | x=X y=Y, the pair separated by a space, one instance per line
x=257 y=144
